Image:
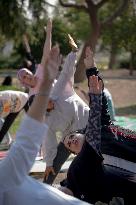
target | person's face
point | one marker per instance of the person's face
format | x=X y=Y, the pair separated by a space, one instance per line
x=27 y=78
x=74 y=142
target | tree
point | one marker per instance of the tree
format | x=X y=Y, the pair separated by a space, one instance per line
x=36 y=36
x=122 y=36
x=93 y=8
x=14 y=16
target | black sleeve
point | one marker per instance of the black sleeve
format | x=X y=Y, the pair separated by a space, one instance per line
x=93 y=129
x=7 y=123
x=105 y=115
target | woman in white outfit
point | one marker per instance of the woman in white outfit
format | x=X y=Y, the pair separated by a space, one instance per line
x=69 y=113
x=16 y=187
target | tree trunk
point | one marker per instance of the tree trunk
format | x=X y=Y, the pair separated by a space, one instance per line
x=80 y=71
x=112 y=59
x=131 y=67
x=92 y=41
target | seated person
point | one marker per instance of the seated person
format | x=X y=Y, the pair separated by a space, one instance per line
x=16 y=186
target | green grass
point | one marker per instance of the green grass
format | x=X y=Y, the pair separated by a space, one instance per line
x=129 y=111
x=13 y=129
x=2 y=88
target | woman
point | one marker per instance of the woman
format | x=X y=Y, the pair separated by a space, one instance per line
x=88 y=178
x=64 y=118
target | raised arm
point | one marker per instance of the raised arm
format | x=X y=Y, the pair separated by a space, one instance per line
x=65 y=81
x=93 y=131
x=48 y=42
x=91 y=69
x=26 y=44
x=22 y=154
x=29 y=55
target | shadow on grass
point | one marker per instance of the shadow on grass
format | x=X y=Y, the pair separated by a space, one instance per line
x=129 y=110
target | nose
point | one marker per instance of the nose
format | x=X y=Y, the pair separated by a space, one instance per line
x=74 y=141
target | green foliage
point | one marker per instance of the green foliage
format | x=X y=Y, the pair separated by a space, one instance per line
x=37 y=8
x=12 y=19
x=14 y=22
x=37 y=36
x=108 y=8
x=9 y=62
x=59 y=35
x=122 y=32
x=121 y=35
x=2 y=88
x=79 y=22
x=13 y=129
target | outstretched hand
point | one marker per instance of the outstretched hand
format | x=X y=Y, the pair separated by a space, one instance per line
x=72 y=43
x=48 y=171
x=48 y=42
x=89 y=60
x=95 y=85
x=53 y=62
x=48 y=28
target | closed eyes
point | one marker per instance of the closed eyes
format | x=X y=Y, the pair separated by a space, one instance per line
x=70 y=138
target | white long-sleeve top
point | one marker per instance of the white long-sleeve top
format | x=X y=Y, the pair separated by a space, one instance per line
x=63 y=88
x=70 y=113
x=16 y=187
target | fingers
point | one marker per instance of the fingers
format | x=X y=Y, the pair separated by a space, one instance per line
x=54 y=54
x=48 y=28
x=53 y=172
x=48 y=171
x=53 y=62
x=95 y=85
x=70 y=37
x=72 y=43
